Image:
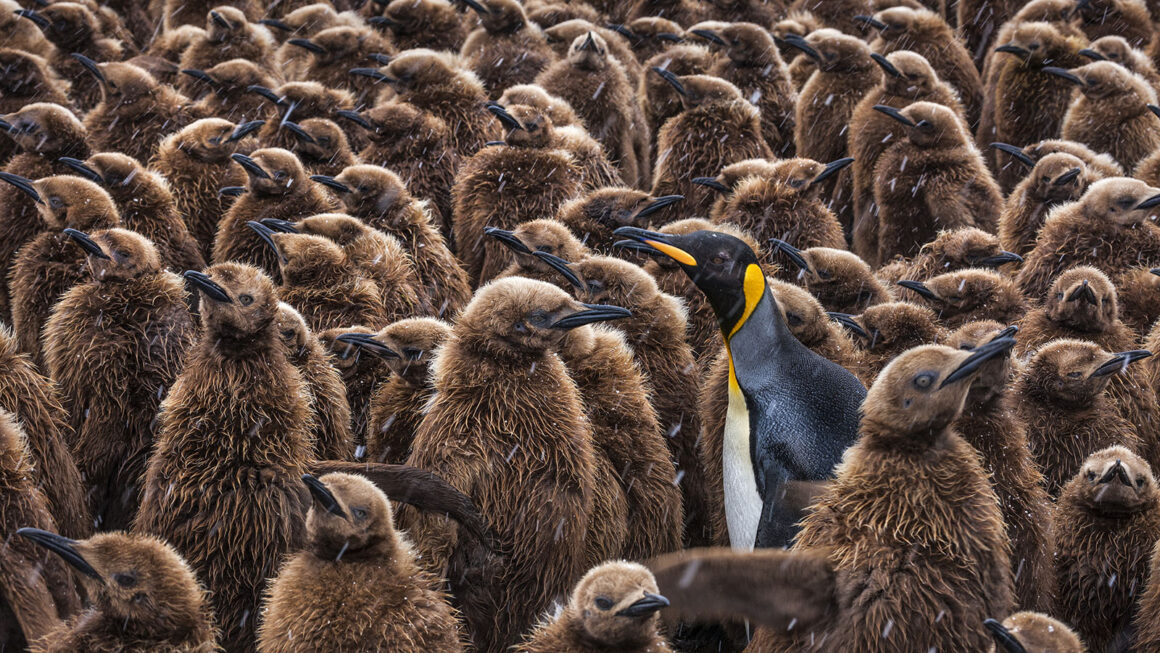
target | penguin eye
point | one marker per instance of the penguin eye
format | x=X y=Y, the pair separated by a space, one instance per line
x=924 y=381
x=1091 y=476
x=793 y=319
x=412 y=353
x=55 y=202
x=1139 y=481
x=246 y=300
x=604 y=603
x=596 y=286
x=825 y=274
x=359 y=513
x=538 y=318
x=279 y=176
x=1126 y=202
x=1033 y=47
x=288 y=334
x=1074 y=375
x=544 y=248
x=125 y=580
x=966 y=346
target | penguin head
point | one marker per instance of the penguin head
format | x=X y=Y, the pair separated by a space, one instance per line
x=1112 y=481
x=616 y=604
x=500 y=16
x=907 y=74
x=1116 y=87
x=894 y=326
x=984 y=292
x=414 y=69
x=347 y=357
x=651 y=34
x=68 y=201
x=226 y=24
x=399 y=122
x=1056 y=12
x=731 y=176
x=1025 y=632
x=1036 y=43
x=661 y=264
x=273 y=172
x=207 y=140
x=338 y=227
x=532 y=95
x=349 y=516
x=1120 y=200
x=117 y=254
x=904 y=24
x=589 y=51
x=1083 y=299
x=136 y=580
x=701 y=90
x=929 y=125
x=993 y=375
x=301 y=100
x=310 y=19
x=833 y=51
x=525 y=126
x=801 y=177
x=610 y=280
x=236 y=75
x=966 y=248
x=372 y=190
x=749 y=43
x=923 y=389
x=1112 y=48
x=127 y=88
x=238 y=301
x=1074 y=372
x=291 y=327
x=1059 y=177
x=24 y=72
x=319 y=139
x=408 y=347
x=413 y=16
x=804 y=316
x=306 y=260
x=66 y=24
x=550 y=237
x=343 y=43
x=624 y=207
x=830 y=272
x=45 y=128
x=124 y=178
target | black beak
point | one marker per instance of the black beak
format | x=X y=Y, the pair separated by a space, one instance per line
x=1150 y=202
x=560 y=265
x=870 y=21
x=709 y=35
x=795 y=41
x=1154 y=109
x=367 y=343
x=82 y=169
x=251 y=166
x=508 y=120
x=668 y=36
x=63 y=547
x=1067 y=177
x=276 y=24
x=1091 y=54
x=894 y=113
x=40 y=21
x=331 y=182
x=199 y=74
x=24 y=184
x=282 y=226
x=1016 y=152
x=885 y=64
x=5 y=126
x=1022 y=53
x=298 y=131
x=794 y=254
x=650 y=604
x=1008 y=332
x=207 y=286
x=90 y=66
x=641 y=247
x=475 y=6
x=659 y=242
x=380 y=58
x=308 y=45
x=232 y=191
x=589 y=43
x=266 y=234
x=979 y=355
x=848 y=321
x=1002 y=258
x=921 y=289
x=711 y=182
x=86 y=243
x=1064 y=73
x=265 y=92
x=592 y=313
x=831 y=168
x=220 y=20
x=373 y=73
x=1085 y=293
x=356 y=118
x=658 y=204
x=245 y=129
x=1117 y=471
x=323 y=496
x=381 y=20
x=624 y=31
x=672 y=79
x=509 y=239
x=1155 y=271
x=1005 y=640
x=1120 y=362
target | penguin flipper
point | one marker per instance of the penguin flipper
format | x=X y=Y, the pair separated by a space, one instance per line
x=771 y=587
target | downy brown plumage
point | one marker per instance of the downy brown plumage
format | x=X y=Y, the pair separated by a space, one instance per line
x=228 y=35
x=506 y=48
x=1057 y=178
x=840 y=281
x=969 y=295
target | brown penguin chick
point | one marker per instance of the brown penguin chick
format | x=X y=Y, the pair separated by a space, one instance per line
x=594 y=216
x=796 y=23
x=168 y=46
x=561 y=113
x=1081 y=304
x=1127 y=18
x=1138 y=289
x=1033 y=632
x=175 y=13
x=276 y=187
x=726 y=181
x=951 y=250
x=562 y=34
x=143 y=597
x=1118 y=99
x=715 y=127
x=650 y=35
x=1109 y=228
x=833 y=15
x=73 y=28
x=659 y=100
x=334 y=51
x=378 y=196
x=502 y=186
x=907 y=78
x=322 y=146
x=1107 y=525
x=1116 y=49
x=332 y=436
x=35 y=402
x=548 y=236
x=840 y=281
x=884 y=331
x=549 y=14
x=20 y=34
x=196 y=164
x=613 y=608
x=499 y=354
x=136 y=112
x=506 y=48
x=49 y=264
x=1018 y=78
x=977 y=22
x=228 y=95
x=812 y=326
x=681 y=12
x=431 y=24
x=304 y=22
x=415 y=145
x=970 y=295
x=398 y=406
x=1100 y=163
x=1147 y=639
x=1061 y=397
x=146 y=206
x=787 y=205
x=989 y=425
x=926 y=33
x=236 y=424
x=28 y=79
x=228 y=35
x=354 y=556
x=932 y=179
x=361 y=374
x=135 y=313
x=300 y=101
x=596 y=85
x=1057 y=178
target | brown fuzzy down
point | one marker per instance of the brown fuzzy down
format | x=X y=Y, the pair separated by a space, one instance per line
x=989 y=425
x=585 y=626
x=593 y=217
x=841 y=281
x=323 y=284
x=499 y=396
x=381 y=200
x=1026 y=208
x=920 y=568
x=647 y=31
x=58 y=133
x=399 y=405
x=196 y=164
x=229 y=98
x=978 y=21
x=224 y=482
x=163 y=609
x=627 y=436
x=658 y=100
x=1041 y=633
x=1110 y=113
x=809 y=323
x=29 y=80
x=970 y=295
x=1101 y=163
x=716 y=127
x=328 y=150
x=1138 y=289
x=304 y=22
x=247 y=41
x=1147 y=622
x=1095 y=231
x=550 y=237
x=1068 y=418
x=681 y=12
x=310 y=100
x=35 y=401
x=332 y=439
x=548 y=15
x=1116 y=48
x=871 y=133
x=425 y=24
x=502 y=186
x=506 y=49
x=735 y=173
x=932 y=179
x=893 y=327
x=949 y=251
x=289 y=198
x=177 y=13
x=1127 y=18
x=114 y=345
x=22 y=34
x=562 y=33
x=79 y=32
x=1104 y=535
x=361 y=374
x=345 y=47
x=357 y=585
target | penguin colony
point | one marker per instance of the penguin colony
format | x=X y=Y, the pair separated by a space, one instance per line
x=562 y=326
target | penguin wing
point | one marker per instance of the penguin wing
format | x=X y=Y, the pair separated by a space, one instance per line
x=774 y=588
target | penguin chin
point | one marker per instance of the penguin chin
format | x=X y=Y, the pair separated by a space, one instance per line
x=1115 y=499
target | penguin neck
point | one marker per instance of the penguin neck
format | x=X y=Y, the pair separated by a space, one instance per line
x=762 y=337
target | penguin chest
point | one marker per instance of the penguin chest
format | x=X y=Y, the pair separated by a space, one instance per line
x=742 y=502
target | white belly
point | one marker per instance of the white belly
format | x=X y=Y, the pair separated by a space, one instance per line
x=742 y=503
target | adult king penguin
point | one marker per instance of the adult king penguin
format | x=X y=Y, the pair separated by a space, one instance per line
x=792 y=413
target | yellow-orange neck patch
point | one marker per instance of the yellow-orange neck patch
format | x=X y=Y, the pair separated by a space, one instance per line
x=754 y=288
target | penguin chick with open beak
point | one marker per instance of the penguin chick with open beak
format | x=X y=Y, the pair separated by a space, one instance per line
x=613 y=608
x=228 y=35
x=1108 y=524
x=884 y=331
x=227 y=93
x=506 y=49
x=355 y=557
x=142 y=596
x=593 y=216
x=546 y=236
x=144 y=332
x=1057 y=178
x=1033 y=632
x=1110 y=112
x=950 y=251
x=969 y=295
x=841 y=281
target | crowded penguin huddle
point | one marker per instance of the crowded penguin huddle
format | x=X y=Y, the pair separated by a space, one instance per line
x=563 y=326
